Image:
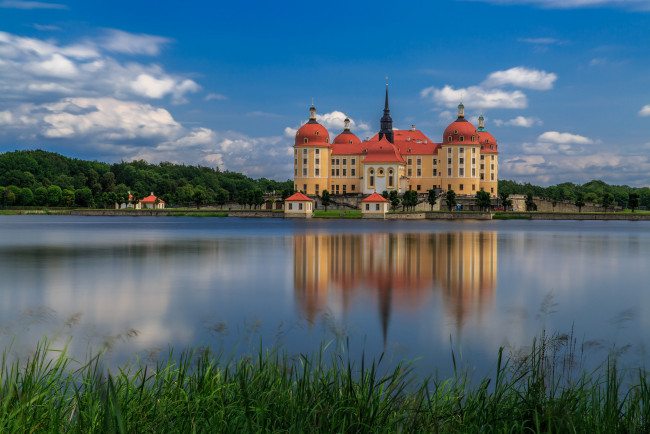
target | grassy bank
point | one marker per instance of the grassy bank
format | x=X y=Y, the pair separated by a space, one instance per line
x=337 y=214
x=320 y=392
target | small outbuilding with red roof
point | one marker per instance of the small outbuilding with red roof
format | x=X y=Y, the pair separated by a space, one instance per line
x=298 y=205
x=152 y=202
x=374 y=206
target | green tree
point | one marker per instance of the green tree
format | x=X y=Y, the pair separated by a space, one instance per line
x=506 y=202
x=326 y=199
x=135 y=198
x=2 y=195
x=633 y=201
x=84 y=197
x=432 y=198
x=199 y=196
x=530 y=202
x=54 y=195
x=591 y=197
x=68 y=197
x=409 y=199
x=483 y=200
x=12 y=195
x=450 y=199
x=221 y=196
x=40 y=196
x=26 y=196
x=394 y=199
x=384 y=194
x=580 y=201
x=608 y=199
x=257 y=198
x=288 y=192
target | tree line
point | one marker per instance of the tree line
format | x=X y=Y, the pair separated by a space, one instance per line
x=591 y=192
x=42 y=178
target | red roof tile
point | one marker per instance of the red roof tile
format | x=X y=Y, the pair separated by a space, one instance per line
x=151 y=199
x=375 y=198
x=382 y=151
x=297 y=197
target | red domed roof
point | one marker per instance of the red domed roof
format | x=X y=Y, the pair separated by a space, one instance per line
x=315 y=133
x=487 y=140
x=458 y=129
x=347 y=138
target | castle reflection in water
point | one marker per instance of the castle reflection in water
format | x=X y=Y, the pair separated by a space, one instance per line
x=399 y=271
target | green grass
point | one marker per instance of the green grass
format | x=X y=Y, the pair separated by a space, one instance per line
x=322 y=392
x=336 y=213
x=200 y=214
x=506 y=216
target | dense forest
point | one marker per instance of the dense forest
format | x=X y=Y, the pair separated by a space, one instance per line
x=43 y=178
x=40 y=178
x=592 y=191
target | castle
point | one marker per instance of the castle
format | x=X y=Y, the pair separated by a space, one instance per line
x=466 y=160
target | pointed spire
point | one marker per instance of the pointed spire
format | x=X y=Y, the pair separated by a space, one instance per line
x=461 y=109
x=386 y=121
x=481 y=123
x=312 y=113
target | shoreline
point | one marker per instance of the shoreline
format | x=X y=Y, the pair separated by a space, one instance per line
x=343 y=215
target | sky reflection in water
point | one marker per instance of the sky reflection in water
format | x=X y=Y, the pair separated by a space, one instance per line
x=144 y=284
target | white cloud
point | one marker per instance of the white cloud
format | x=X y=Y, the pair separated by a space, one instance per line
x=19 y=4
x=574 y=4
x=599 y=61
x=6 y=117
x=119 y=41
x=290 y=132
x=476 y=96
x=564 y=138
x=57 y=66
x=216 y=97
x=522 y=77
x=645 y=110
x=46 y=28
x=540 y=41
x=519 y=121
x=30 y=66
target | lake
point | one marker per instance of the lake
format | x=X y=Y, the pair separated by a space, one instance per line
x=411 y=289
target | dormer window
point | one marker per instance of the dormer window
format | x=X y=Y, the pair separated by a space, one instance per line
x=487 y=141
x=350 y=141
x=365 y=150
x=316 y=132
x=462 y=139
x=306 y=140
x=491 y=146
x=455 y=131
x=327 y=140
x=472 y=138
x=409 y=149
x=449 y=139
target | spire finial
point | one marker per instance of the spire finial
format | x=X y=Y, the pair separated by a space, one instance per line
x=312 y=112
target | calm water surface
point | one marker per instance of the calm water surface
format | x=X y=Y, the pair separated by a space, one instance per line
x=411 y=289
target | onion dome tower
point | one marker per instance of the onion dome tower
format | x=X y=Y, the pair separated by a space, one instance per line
x=461 y=131
x=312 y=133
x=386 y=122
x=487 y=140
x=347 y=137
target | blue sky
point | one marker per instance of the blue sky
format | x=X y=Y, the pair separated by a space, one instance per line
x=564 y=85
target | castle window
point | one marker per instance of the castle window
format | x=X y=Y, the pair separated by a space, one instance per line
x=449 y=172
x=491 y=146
x=381 y=171
x=352 y=161
x=317 y=161
x=344 y=161
x=419 y=172
x=448 y=160
x=300 y=206
x=461 y=150
x=482 y=177
x=352 y=172
x=461 y=161
x=390 y=178
x=482 y=157
x=337 y=161
x=333 y=160
x=333 y=172
x=473 y=160
x=410 y=161
x=304 y=172
x=304 y=151
x=455 y=131
x=419 y=161
x=367 y=207
x=473 y=172
x=472 y=138
x=473 y=187
x=435 y=172
x=450 y=151
x=327 y=140
x=487 y=140
x=461 y=187
x=492 y=190
x=352 y=187
x=317 y=189
x=492 y=176
x=317 y=151
x=482 y=147
x=492 y=157
x=337 y=172
x=304 y=161
x=482 y=166
x=409 y=149
x=290 y=206
x=306 y=140
x=344 y=172
x=435 y=161
x=449 y=139
x=317 y=172
x=376 y=207
x=461 y=172
x=344 y=188
x=316 y=132
x=410 y=172
x=350 y=141
x=462 y=139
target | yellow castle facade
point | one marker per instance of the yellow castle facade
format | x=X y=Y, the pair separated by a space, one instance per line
x=465 y=161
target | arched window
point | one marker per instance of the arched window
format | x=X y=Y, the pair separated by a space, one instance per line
x=306 y=140
x=371 y=178
x=449 y=139
x=472 y=138
x=462 y=139
x=316 y=132
x=390 y=178
x=327 y=140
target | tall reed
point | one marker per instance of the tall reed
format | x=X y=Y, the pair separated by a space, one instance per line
x=199 y=391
